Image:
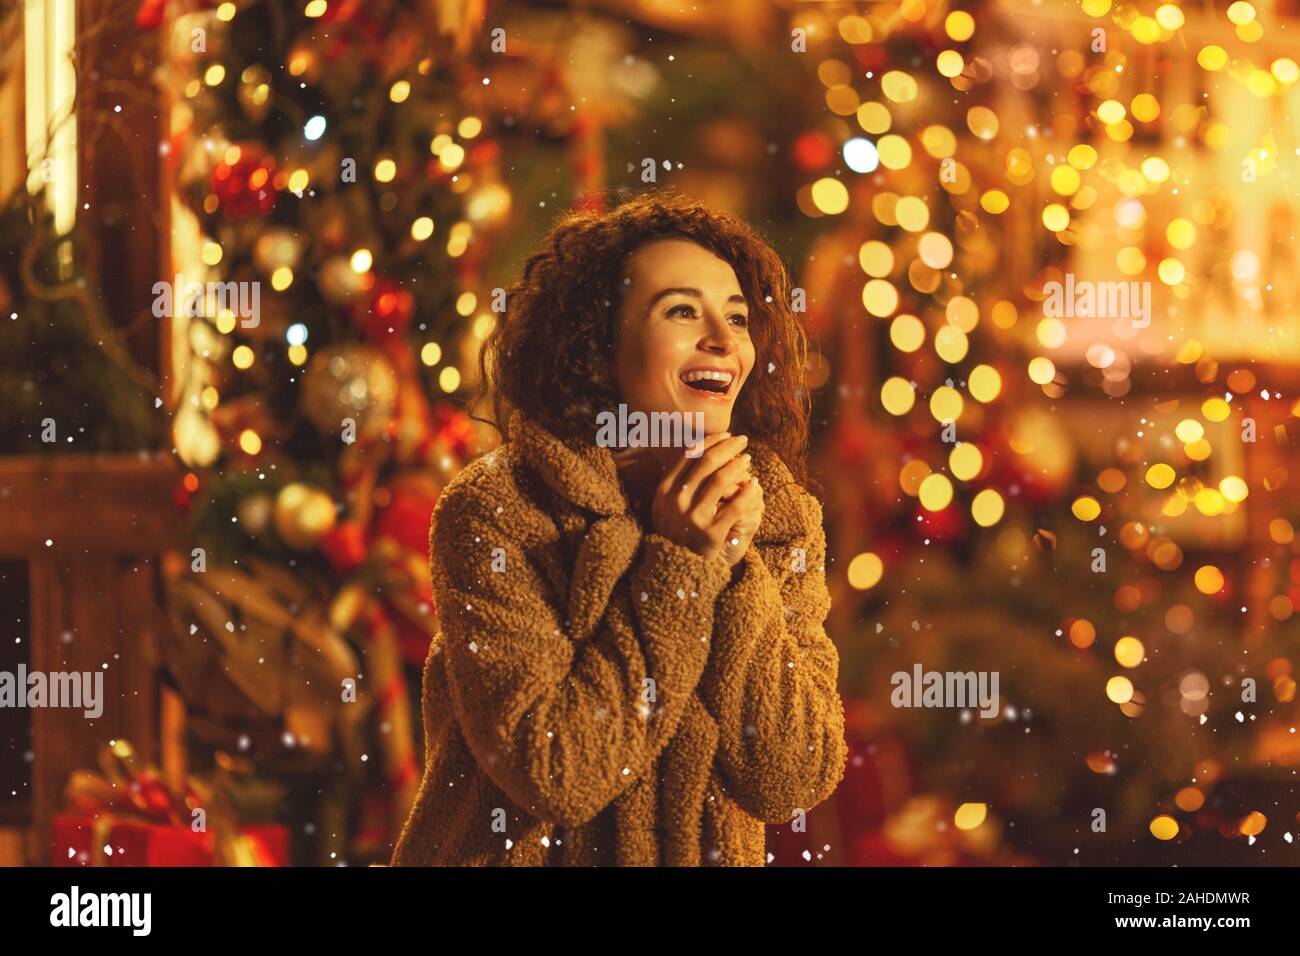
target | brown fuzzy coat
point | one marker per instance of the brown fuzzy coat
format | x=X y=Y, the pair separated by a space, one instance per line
x=599 y=695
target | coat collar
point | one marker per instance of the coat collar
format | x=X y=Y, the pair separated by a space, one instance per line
x=585 y=473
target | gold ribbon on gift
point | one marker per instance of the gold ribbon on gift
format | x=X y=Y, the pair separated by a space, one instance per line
x=355 y=610
x=100 y=828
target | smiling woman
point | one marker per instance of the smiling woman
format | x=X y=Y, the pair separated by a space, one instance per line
x=650 y=274
x=688 y=348
x=631 y=666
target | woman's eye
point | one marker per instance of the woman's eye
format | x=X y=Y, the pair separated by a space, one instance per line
x=687 y=311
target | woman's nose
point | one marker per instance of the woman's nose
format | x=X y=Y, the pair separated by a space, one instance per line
x=721 y=344
x=719 y=337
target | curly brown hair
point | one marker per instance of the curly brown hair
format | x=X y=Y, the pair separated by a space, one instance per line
x=548 y=354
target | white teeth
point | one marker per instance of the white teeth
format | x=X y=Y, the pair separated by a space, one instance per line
x=702 y=375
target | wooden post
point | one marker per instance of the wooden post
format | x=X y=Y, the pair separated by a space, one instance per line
x=91 y=529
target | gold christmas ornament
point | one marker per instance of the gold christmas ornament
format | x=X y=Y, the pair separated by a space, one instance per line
x=303 y=515
x=350 y=383
x=254 y=512
x=339 y=282
x=277 y=248
x=303 y=63
x=255 y=92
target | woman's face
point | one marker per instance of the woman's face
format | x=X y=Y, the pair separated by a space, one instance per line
x=682 y=315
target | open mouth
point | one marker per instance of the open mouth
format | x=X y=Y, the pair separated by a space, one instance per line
x=708 y=382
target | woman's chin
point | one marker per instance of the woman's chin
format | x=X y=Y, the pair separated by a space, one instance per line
x=714 y=415
x=717 y=420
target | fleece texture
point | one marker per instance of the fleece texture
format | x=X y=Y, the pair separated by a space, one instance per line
x=598 y=695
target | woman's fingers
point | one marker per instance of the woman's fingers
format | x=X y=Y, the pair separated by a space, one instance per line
x=746 y=507
x=668 y=484
x=723 y=483
x=691 y=492
x=713 y=458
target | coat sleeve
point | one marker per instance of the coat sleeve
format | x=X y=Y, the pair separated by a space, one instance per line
x=771 y=686
x=563 y=726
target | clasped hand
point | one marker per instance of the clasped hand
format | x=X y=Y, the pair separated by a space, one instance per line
x=712 y=504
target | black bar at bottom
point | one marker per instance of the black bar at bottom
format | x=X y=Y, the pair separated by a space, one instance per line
x=335 y=906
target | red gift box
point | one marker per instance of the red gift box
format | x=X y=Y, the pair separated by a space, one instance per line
x=112 y=840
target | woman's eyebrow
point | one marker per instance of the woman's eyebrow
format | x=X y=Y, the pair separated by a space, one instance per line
x=690 y=290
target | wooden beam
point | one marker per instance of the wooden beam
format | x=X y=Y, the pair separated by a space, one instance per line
x=119 y=504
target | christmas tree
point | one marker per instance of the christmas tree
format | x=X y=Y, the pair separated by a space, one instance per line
x=340 y=197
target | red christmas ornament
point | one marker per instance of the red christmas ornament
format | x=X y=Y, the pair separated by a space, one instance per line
x=1011 y=474
x=939 y=526
x=454 y=427
x=414 y=641
x=812 y=151
x=483 y=154
x=245 y=187
x=355 y=29
x=149 y=15
x=386 y=312
x=409 y=512
x=182 y=497
x=871 y=56
x=345 y=546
